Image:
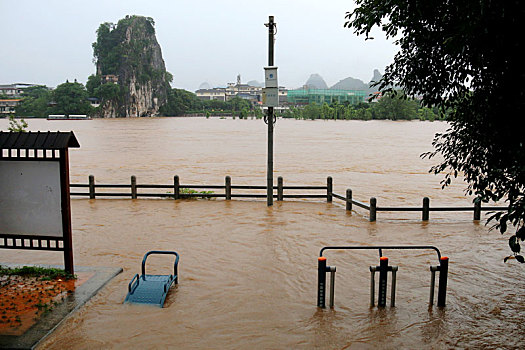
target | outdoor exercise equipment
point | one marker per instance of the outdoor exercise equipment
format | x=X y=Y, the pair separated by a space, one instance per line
x=152 y=289
x=383 y=270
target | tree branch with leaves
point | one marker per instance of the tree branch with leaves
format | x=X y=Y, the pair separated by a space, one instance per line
x=463 y=56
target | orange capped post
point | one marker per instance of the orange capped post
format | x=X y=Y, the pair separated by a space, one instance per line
x=321 y=281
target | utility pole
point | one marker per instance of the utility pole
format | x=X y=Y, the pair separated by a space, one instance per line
x=271 y=73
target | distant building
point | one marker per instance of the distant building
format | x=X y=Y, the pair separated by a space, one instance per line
x=211 y=94
x=283 y=95
x=245 y=91
x=8 y=106
x=320 y=96
x=109 y=78
x=10 y=96
x=95 y=102
x=14 y=90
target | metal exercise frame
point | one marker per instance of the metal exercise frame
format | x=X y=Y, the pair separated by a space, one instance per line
x=383 y=270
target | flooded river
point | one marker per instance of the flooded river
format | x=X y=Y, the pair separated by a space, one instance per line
x=248 y=273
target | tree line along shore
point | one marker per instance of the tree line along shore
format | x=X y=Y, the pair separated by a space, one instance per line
x=73 y=98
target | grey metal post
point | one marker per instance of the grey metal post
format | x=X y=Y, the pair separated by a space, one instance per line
x=373 y=209
x=393 y=287
x=433 y=270
x=332 y=286
x=477 y=209
x=269 y=173
x=426 y=209
x=372 y=285
x=176 y=187
x=133 y=187
x=280 y=194
x=329 y=189
x=91 y=187
x=228 y=187
x=348 y=199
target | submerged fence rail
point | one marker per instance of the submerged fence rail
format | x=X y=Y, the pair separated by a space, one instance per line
x=176 y=190
x=181 y=191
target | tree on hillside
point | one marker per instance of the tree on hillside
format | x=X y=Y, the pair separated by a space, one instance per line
x=71 y=98
x=179 y=102
x=93 y=82
x=35 y=102
x=464 y=56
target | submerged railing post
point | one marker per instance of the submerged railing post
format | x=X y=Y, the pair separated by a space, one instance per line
x=426 y=209
x=176 y=187
x=321 y=281
x=280 y=194
x=228 y=187
x=443 y=277
x=133 y=187
x=477 y=209
x=91 y=186
x=329 y=189
x=373 y=209
x=348 y=199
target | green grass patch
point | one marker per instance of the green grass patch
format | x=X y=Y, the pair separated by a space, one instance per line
x=43 y=273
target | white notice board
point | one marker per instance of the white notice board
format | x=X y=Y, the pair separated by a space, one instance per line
x=30 y=198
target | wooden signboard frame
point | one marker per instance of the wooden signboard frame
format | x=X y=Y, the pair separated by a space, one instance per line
x=36 y=149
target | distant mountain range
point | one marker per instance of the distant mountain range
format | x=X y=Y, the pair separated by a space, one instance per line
x=315 y=81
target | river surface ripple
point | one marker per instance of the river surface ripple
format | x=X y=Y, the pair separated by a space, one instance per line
x=248 y=272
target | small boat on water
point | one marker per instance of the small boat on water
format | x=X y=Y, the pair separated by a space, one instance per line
x=68 y=117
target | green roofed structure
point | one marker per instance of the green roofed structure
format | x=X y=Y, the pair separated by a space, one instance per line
x=320 y=96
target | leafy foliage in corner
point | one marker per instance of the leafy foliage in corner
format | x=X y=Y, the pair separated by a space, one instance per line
x=17 y=126
x=464 y=56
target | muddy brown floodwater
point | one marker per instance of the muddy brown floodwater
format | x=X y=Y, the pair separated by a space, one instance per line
x=248 y=272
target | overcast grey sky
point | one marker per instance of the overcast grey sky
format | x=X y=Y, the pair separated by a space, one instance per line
x=47 y=42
